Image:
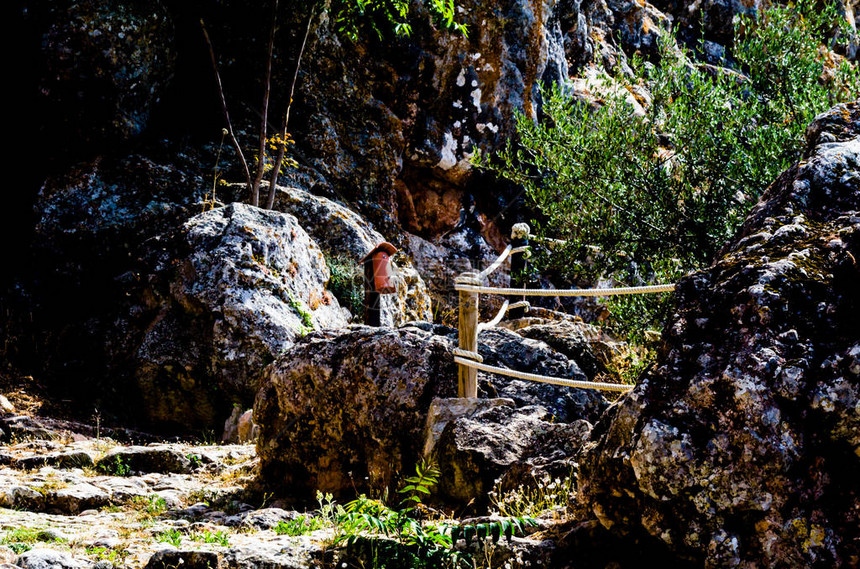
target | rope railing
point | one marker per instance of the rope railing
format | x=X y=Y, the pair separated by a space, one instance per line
x=566 y=292
x=506 y=306
x=541 y=378
x=470 y=286
x=498 y=262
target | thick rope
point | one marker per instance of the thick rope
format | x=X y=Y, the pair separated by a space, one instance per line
x=497 y=263
x=542 y=378
x=502 y=311
x=458 y=352
x=566 y=292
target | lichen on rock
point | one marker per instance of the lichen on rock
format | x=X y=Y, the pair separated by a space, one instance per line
x=739 y=447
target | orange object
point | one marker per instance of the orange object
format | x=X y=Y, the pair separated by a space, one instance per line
x=380 y=259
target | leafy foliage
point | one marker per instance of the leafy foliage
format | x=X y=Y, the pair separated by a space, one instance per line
x=114 y=467
x=646 y=190
x=300 y=526
x=346 y=283
x=381 y=17
x=207 y=536
x=370 y=525
x=171 y=536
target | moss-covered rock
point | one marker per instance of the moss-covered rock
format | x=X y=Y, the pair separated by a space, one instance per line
x=740 y=447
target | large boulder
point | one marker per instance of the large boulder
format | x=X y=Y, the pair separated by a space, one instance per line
x=499 y=442
x=505 y=349
x=740 y=447
x=240 y=287
x=345 y=411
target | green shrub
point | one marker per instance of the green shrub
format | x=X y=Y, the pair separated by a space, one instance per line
x=347 y=283
x=646 y=197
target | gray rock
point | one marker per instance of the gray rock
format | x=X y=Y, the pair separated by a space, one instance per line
x=291 y=554
x=439 y=263
x=590 y=347
x=444 y=411
x=71 y=459
x=167 y=559
x=502 y=348
x=122 y=490
x=49 y=559
x=346 y=410
x=77 y=498
x=266 y=518
x=104 y=69
x=18 y=496
x=740 y=447
x=144 y=459
x=475 y=450
x=252 y=282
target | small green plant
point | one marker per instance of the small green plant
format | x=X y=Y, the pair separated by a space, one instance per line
x=369 y=525
x=307 y=320
x=22 y=539
x=302 y=525
x=149 y=506
x=206 y=536
x=346 y=283
x=116 y=557
x=114 y=467
x=171 y=536
x=531 y=500
x=19 y=548
x=195 y=459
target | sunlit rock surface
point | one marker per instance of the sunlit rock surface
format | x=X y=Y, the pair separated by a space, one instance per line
x=740 y=447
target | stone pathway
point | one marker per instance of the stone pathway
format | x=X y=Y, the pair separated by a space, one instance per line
x=72 y=501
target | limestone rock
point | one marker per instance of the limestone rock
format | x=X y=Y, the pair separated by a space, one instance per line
x=347 y=237
x=346 y=410
x=740 y=446
x=49 y=559
x=191 y=559
x=77 y=498
x=443 y=411
x=250 y=283
x=502 y=348
x=474 y=450
x=88 y=250
x=441 y=262
x=589 y=346
x=68 y=459
x=145 y=459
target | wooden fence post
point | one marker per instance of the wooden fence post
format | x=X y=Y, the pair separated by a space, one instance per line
x=519 y=238
x=467 y=377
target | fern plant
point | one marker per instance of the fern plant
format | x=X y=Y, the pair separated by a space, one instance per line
x=371 y=525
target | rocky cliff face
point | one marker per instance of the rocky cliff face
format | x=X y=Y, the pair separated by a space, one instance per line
x=740 y=447
x=384 y=130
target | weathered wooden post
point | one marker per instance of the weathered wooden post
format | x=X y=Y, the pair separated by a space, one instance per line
x=519 y=263
x=377 y=281
x=467 y=377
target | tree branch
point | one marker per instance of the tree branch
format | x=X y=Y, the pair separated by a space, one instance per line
x=224 y=108
x=282 y=144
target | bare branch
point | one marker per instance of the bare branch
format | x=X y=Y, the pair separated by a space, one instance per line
x=264 y=121
x=282 y=145
x=224 y=108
